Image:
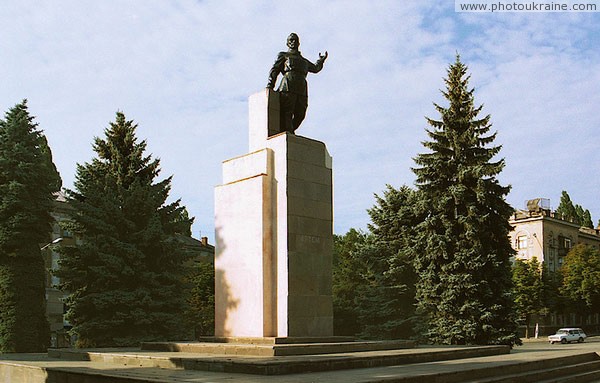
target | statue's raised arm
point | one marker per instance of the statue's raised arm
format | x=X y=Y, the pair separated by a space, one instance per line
x=293 y=87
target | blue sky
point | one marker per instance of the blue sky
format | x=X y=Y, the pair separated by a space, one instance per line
x=183 y=70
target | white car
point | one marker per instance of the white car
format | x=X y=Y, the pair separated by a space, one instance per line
x=567 y=335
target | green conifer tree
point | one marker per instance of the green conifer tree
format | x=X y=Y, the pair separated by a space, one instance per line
x=374 y=279
x=28 y=179
x=387 y=300
x=348 y=276
x=200 y=300
x=464 y=290
x=126 y=275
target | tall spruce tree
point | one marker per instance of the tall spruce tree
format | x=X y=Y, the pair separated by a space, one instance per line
x=28 y=179
x=464 y=289
x=126 y=275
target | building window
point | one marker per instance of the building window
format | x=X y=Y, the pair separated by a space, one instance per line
x=552 y=259
x=551 y=240
x=566 y=243
x=54 y=279
x=522 y=242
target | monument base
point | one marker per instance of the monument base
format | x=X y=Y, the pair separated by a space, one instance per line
x=274 y=241
x=276 y=340
x=273 y=346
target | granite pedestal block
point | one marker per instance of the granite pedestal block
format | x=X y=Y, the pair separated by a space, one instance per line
x=274 y=235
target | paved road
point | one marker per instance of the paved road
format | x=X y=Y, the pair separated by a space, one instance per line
x=541 y=344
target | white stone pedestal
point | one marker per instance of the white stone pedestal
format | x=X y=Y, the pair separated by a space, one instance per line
x=274 y=235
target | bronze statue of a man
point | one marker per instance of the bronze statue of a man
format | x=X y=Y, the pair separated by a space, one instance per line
x=293 y=87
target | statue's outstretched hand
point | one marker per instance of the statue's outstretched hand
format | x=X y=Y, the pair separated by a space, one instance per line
x=323 y=57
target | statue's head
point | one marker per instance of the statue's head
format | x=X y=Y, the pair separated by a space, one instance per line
x=293 y=41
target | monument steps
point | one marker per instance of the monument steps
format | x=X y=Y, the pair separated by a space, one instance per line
x=419 y=365
x=276 y=365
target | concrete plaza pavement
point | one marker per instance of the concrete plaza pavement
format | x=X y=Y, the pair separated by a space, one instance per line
x=43 y=367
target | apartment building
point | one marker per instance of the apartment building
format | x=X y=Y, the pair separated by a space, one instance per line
x=55 y=307
x=537 y=232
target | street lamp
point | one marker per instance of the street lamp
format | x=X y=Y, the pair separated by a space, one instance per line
x=57 y=240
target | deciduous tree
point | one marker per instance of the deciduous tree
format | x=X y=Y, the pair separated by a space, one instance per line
x=581 y=277
x=529 y=289
x=575 y=213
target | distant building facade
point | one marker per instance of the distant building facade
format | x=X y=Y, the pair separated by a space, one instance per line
x=199 y=249
x=55 y=306
x=537 y=232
